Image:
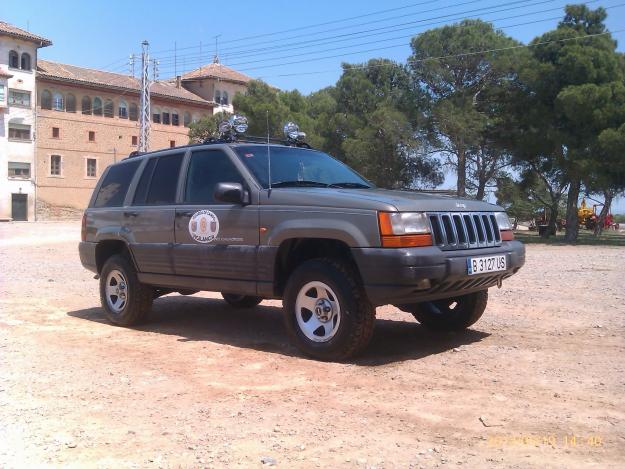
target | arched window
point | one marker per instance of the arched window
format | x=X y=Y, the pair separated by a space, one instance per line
x=97 y=106
x=224 y=98
x=46 y=100
x=156 y=115
x=166 y=117
x=86 y=105
x=70 y=103
x=14 y=60
x=175 y=119
x=25 y=61
x=217 y=96
x=186 y=119
x=122 y=109
x=134 y=112
x=108 y=108
x=58 y=103
x=195 y=118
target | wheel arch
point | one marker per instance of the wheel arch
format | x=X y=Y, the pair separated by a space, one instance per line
x=110 y=247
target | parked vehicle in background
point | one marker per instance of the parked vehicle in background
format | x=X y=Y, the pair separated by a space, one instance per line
x=256 y=220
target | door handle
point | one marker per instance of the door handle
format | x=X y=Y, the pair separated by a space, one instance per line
x=131 y=214
x=184 y=214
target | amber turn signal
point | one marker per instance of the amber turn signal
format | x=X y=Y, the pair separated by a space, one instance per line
x=406 y=241
x=507 y=235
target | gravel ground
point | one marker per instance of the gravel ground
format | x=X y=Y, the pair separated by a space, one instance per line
x=538 y=382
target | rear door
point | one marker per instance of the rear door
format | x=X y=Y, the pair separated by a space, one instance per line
x=150 y=218
x=215 y=240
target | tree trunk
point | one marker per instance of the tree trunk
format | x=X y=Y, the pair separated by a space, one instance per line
x=462 y=173
x=553 y=217
x=481 y=190
x=604 y=212
x=572 y=223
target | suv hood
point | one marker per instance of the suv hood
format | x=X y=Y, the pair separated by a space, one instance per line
x=374 y=199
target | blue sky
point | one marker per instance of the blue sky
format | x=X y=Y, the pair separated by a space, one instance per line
x=303 y=56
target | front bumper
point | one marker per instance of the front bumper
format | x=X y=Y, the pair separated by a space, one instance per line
x=411 y=275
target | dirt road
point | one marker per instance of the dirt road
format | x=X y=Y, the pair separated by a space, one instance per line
x=538 y=382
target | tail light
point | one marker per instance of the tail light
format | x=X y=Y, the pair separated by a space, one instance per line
x=83 y=227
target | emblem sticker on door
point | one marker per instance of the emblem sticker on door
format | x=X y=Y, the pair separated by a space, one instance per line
x=204 y=226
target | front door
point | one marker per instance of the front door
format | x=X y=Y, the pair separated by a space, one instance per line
x=215 y=240
x=19 y=207
x=150 y=219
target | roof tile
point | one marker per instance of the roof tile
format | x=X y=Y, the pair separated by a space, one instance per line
x=10 y=30
x=218 y=71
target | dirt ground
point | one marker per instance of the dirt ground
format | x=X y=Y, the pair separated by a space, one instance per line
x=538 y=382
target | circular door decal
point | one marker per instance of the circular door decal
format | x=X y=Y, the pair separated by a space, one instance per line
x=204 y=226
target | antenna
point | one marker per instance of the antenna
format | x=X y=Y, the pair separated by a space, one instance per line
x=268 y=153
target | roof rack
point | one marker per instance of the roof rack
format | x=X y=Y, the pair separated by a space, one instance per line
x=260 y=140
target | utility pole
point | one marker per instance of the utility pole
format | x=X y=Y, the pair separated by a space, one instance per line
x=144 y=118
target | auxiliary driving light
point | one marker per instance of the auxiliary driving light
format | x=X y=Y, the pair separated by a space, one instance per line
x=292 y=133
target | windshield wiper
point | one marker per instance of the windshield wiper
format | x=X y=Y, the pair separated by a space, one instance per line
x=303 y=183
x=350 y=185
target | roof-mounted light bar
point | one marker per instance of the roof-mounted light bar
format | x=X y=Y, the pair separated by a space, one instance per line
x=236 y=124
x=292 y=133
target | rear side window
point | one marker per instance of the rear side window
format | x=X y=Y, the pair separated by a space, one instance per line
x=165 y=180
x=144 y=183
x=115 y=185
x=206 y=170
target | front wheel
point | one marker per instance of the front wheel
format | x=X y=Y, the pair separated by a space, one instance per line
x=241 y=301
x=450 y=314
x=125 y=300
x=326 y=311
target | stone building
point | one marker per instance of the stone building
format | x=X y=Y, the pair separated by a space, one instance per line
x=216 y=82
x=18 y=62
x=88 y=119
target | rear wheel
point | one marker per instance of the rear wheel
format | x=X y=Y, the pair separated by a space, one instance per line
x=125 y=300
x=241 y=301
x=326 y=311
x=450 y=314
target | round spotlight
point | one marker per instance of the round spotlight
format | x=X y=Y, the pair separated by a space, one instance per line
x=238 y=123
x=291 y=132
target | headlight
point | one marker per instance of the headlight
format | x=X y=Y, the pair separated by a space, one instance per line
x=503 y=221
x=403 y=223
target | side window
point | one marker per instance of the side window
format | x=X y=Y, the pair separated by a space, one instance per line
x=142 y=188
x=115 y=185
x=207 y=168
x=165 y=180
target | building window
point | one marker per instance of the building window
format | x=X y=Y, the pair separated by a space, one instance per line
x=19 y=98
x=133 y=112
x=55 y=165
x=97 y=107
x=172 y=143
x=175 y=120
x=1 y=94
x=14 y=60
x=186 y=119
x=58 y=103
x=92 y=165
x=217 y=96
x=165 y=117
x=46 y=100
x=56 y=133
x=19 y=170
x=86 y=105
x=19 y=131
x=122 y=109
x=134 y=140
x=108 y=108
x=156 y=116
x=224 y=98
x=25 y=61
x=91 y=136
x=70 y=103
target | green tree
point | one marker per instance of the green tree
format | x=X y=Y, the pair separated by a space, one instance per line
x=567 y=83
x=448 y=65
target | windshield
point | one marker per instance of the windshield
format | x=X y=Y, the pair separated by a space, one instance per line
x=298 y=167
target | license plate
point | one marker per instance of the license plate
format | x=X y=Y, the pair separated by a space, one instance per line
x=482 y=265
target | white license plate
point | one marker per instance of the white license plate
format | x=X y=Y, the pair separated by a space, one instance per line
x=482 y=265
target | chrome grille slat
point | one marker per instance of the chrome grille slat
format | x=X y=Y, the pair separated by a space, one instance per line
x=464 y=230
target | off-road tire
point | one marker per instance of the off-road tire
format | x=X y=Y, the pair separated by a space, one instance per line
x=139 y=296
x=357 y=313
x=437 y=315
x=241 y=301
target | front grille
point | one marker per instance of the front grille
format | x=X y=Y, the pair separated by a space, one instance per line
x=464 y=230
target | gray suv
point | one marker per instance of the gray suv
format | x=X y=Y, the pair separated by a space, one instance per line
x=256 y=220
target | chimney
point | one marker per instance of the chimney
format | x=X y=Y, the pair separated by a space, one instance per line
x=178 y=81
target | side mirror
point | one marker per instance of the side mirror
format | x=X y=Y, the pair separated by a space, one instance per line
x=231 y=192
